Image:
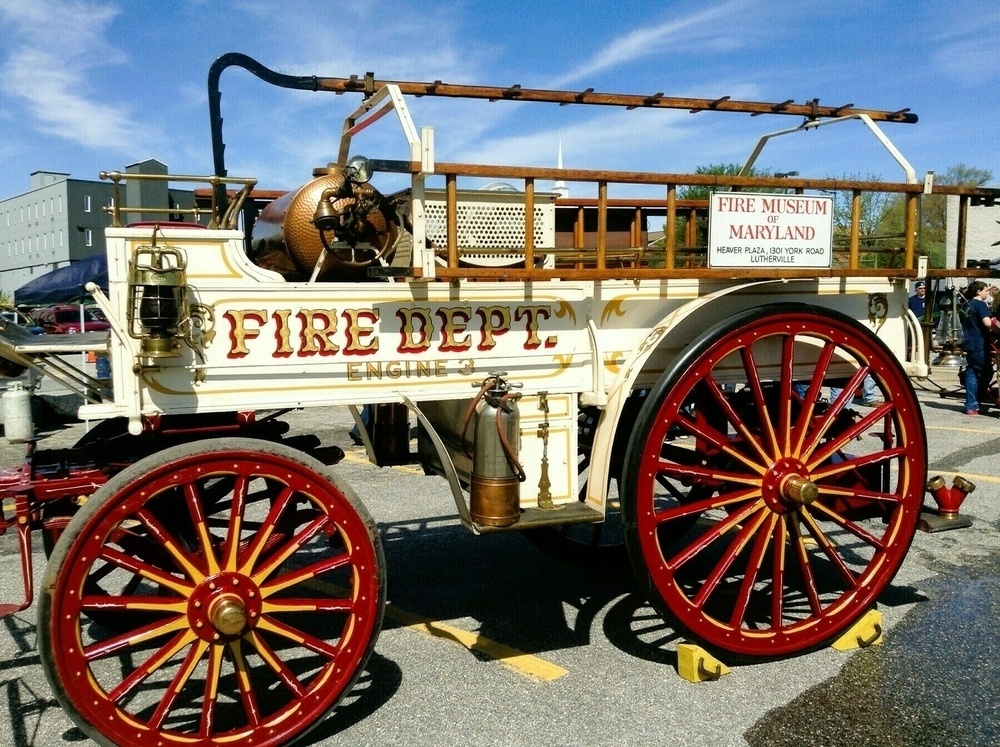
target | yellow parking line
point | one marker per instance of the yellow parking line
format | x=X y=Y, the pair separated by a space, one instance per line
x=967 y=476
x=520 y=662
x=954 y=428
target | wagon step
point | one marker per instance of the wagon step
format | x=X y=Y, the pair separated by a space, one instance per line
x=535 y=518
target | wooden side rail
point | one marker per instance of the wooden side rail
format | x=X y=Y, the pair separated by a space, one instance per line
x=592 y=261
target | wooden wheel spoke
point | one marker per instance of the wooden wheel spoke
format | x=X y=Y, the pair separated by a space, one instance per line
x=729 y=556
x=152 y=664
x=703 y=430
x=286 y=580
x=715 y=391
x=196 y=512
x=693 y=473
x=816 y=436
x=712 y=534
x=857 y=493
x=182 y=559
x=308 y=604
x=780 y=535
x=180 y=679
x=829 y=549
x=853 y=527
x=849 y=434
x=290 y=548
x=231 y=547
x=820 y=471
x=123 y=603
x=785 y=392
x=247 y=694
x=812 y=394
x=805 y=568
x=760 y=404
x=147 y=571
x=304 y=639
x=132 y=638
x=765 y=530
x=705 y=504
x=283 y=673
x=210 y=697
x=261 y=539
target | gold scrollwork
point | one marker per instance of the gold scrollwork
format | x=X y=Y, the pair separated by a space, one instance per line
x=878 y=309
x=199 y=332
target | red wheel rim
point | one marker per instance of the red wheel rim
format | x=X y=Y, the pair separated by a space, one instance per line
x=768 y=521
x=262 y=592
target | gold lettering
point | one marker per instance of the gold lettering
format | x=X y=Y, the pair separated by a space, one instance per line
x=282 y=333
x=416 y=329
x=356 y=332
x=496 y=321
x=318 y=339
x=238 y=332
x=531 y=315
x=454 y=321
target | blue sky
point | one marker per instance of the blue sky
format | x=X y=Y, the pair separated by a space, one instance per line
x=89 y=85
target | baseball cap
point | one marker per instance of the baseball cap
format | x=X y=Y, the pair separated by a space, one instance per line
x=920 y=284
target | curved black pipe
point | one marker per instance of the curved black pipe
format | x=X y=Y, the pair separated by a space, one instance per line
x=235 y=59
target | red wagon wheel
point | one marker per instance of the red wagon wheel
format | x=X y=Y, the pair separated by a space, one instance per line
x=252 y=584
x=762 y=517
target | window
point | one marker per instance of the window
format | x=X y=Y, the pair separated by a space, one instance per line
x=88 y=237
x=86 y=205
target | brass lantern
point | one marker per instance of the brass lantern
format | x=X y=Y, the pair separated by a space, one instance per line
x=157 y=299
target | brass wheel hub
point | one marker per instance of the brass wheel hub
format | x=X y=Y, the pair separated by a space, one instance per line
x=786 y=486
x=228 y=615
x=224 y=606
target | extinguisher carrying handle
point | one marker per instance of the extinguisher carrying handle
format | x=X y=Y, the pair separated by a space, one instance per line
x=487 y=385
x=507 y=449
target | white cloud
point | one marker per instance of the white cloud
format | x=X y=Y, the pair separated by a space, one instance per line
x=704 y=30
x=56 y=46
x=966 y=49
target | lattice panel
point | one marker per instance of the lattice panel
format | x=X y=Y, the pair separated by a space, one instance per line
x=490 y=220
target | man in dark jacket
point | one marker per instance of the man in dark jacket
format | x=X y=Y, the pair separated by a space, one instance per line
x=977 y=326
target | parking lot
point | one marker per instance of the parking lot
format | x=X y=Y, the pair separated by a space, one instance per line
x=488 y=641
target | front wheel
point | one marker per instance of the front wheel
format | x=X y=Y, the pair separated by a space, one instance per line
x=764 y=511
x=248 y=586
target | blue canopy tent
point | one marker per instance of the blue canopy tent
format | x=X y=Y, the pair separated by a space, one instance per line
x=65 y=285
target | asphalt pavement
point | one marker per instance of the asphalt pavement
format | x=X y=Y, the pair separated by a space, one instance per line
x=488 y=641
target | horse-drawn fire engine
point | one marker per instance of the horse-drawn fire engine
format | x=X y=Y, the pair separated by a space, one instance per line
x=213 y=581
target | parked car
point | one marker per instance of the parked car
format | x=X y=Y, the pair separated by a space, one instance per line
x=13 y=316
x=66 y=320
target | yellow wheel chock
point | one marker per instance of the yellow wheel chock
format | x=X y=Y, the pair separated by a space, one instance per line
x=866 y=632
x=695 y=664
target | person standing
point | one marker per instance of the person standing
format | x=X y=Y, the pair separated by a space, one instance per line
x=918 y=301
x=976 y=326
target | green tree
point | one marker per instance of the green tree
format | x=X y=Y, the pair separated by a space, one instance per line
x=934 y=211
x=877 y=230
x=696 y=192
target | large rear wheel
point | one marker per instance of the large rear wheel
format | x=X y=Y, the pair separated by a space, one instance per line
x=250 y=585
x=763 y=517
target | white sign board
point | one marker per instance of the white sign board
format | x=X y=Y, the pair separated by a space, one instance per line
x=760 y=230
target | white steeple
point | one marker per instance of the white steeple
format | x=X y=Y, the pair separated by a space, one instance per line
x=560 y=187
